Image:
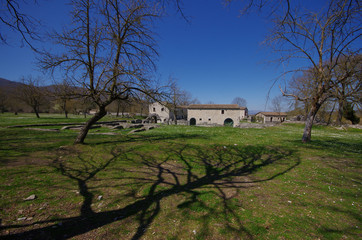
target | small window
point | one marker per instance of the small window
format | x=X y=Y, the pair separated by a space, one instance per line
x=200 y=119
x=222 y=111
x=162 y=109
x=154 y=109
x=209 y=119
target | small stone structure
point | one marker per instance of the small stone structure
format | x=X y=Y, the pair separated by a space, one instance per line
x=266 y=117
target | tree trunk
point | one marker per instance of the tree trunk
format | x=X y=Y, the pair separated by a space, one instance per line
x=65 y=108
x=36 y=112
x=330 y=114
x=340 y=112
x=307 y=134
x=84 y=131
x=118 y=106
x=174 y=115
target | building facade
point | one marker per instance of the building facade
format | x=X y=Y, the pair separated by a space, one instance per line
x=199 y=114
x=216 y=114
x=159 y=113
x=267 y=117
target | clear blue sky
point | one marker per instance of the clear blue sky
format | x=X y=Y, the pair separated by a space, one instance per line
x=216 y=56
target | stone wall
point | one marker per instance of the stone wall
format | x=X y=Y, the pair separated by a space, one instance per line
x=162 y=111
x=213 y=116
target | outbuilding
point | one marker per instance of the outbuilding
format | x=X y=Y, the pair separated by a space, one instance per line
x=267 y=117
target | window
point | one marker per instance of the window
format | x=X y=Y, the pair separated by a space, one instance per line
x=162 y=109
x=209 y=119
x=222 y=111
x=200 y=119
x=154 y=109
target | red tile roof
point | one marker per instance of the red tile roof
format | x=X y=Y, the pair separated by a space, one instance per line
x=215 y=106
x=273 y=113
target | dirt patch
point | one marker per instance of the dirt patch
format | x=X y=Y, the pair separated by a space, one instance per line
x=37 y=159
x=230 y=188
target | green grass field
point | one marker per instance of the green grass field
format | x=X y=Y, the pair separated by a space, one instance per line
x=179 y=182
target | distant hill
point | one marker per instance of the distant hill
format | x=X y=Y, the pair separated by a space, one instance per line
x=253 y=112
x=4 y=83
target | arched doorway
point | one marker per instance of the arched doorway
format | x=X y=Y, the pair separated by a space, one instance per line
x=192 y=122
x=229 y=122
x=153 y=119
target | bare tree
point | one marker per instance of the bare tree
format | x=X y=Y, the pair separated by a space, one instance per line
x=349 y=90
x=322 y=39
x=30 y=93
x=63 y=94
x=109 y=50
x=177 y=98
x=239 y=101
x=12 y=17
x=277 y=103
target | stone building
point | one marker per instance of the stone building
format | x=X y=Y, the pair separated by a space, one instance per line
x=199 y=114
x=161 y=113
x=266 y=117
x=216 y=114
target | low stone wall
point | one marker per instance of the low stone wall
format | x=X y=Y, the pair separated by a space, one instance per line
x=257 y=125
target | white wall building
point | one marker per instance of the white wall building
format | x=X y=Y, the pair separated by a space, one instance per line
x=200 y=114
x=216 y=114
x=159 y=112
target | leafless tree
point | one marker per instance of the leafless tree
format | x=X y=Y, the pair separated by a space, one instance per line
x=63 y=93
x=349 y=90
x=177 y=97
x=31 y=94
x=277 y=103
x=239 y=101
x=109 y=50
x=12 y=17
x=322 y=39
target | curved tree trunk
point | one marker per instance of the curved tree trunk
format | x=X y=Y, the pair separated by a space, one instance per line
x=84 y=131
x=307 y=134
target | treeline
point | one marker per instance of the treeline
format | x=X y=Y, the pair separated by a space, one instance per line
x=329 y=113
x=30 y=97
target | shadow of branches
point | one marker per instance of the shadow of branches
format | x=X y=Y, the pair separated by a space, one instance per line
x=193 y=172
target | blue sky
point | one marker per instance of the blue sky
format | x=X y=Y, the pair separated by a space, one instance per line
x=216 y=56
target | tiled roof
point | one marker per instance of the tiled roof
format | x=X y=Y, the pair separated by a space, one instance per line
x=273 y=113
x=215 y=106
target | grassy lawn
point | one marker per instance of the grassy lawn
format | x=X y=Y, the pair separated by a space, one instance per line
x=179 y=182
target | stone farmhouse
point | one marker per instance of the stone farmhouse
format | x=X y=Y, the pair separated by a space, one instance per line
x=160 y=113
x=199 y=114
x=267 y=117
x=216 y=114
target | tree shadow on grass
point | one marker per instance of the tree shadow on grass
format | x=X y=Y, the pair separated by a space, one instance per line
x=178 y=170
x=149 y=137
x=335 y=146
